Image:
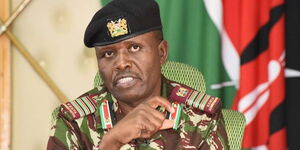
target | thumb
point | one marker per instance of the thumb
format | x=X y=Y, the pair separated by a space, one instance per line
x=167 y=124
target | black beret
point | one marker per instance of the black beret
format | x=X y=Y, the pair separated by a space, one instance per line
x=120 y=20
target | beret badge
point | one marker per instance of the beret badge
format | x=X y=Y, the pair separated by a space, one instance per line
x=121 y=20
x=118 y=27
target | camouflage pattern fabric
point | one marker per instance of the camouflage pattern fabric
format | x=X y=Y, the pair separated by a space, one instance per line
x=197 y=129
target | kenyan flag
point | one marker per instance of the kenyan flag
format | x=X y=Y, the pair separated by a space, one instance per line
x=242 y=48
x=239 y=46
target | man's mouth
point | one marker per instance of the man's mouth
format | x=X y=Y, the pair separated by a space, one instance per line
x=125 y=81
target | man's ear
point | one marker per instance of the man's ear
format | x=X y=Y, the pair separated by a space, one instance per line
x=163 y=51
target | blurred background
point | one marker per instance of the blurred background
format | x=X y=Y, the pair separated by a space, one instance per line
x=52 y=32
x=248 y=51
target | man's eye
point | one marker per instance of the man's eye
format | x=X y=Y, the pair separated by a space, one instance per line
x=108 y=54
x=135 y=48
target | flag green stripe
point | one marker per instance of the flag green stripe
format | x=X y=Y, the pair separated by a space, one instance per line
x=194 y=39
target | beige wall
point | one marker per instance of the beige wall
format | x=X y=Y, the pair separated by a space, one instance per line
x=52 y=30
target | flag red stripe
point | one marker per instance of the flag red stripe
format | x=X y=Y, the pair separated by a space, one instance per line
x=277 y=142
x=242 y=21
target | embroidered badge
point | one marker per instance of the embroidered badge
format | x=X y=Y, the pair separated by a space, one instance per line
x=105 y=115
x=80 y=107
x=182 y=92
x=175 y=115
x=118 y=27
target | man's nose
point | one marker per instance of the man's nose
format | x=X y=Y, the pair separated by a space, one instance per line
x=123 y=61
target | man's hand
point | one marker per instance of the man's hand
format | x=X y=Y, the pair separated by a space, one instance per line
x=142 y=122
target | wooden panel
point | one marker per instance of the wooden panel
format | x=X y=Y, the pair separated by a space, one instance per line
x=58 y=48
x=5 y=82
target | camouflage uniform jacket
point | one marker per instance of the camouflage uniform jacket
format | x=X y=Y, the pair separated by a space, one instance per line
x=196 y=130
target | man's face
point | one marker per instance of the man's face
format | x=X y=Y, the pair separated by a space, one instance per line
x=131 y=68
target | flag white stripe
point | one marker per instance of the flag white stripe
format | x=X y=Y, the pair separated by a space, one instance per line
x=252 y=112
x=230 y=57
x=292 y=73
x=215 y=11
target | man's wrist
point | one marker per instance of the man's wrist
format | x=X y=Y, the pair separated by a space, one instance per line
x=109 y=142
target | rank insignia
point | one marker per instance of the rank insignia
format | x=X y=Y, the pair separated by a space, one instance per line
x=175 y=115
x=196 y=99
x=106 y=114
x=118 y=27
x=182 y=92
x=80 y=107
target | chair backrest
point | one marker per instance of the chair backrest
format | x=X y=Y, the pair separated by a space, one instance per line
x=191 y=76
x=185 y=74
x=235 y=124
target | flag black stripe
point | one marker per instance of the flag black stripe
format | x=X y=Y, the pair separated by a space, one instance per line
x=293 y=112
x=277 y=118
x=260 y=43
x=293 y=84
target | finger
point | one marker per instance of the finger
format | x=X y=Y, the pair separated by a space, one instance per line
x=167 y=124
x=154 y=116
x=147 y=128
x=155 y=112
x=160 y=101
x=151 y=117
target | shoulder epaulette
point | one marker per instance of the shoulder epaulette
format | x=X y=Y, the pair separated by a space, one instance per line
x=80 y=107
x=196 y=99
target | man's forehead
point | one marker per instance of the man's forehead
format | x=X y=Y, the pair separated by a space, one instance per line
x=121 y=20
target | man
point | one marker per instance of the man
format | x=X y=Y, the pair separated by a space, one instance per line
x=136 y=108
